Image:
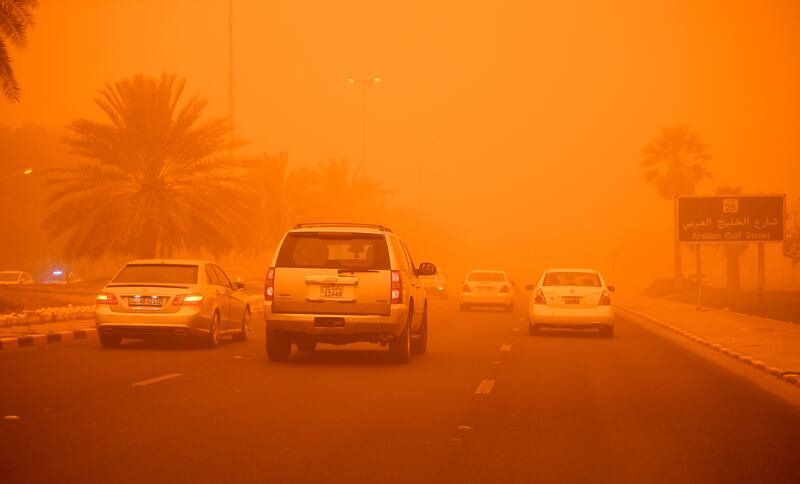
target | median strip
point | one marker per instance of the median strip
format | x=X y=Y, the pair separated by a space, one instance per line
x=29 y=340
x=157 y=379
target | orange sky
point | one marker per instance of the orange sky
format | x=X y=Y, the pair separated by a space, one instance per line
x=518 y=121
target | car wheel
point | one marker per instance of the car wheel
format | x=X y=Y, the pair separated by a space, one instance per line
x=306 y=346
x=533 y=329
x=607 y=331
x=247 y=326
x=420 y=344
x=279 y=347
x=212 y=339
x=400 y=346
x=110 y=340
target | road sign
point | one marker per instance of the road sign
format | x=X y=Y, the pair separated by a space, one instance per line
x=730 y=219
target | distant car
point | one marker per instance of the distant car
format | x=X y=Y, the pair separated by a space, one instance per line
x=435 y=285
x=15 y=278
x=486 y=288
x=62 y=277
x=172 y=297
x=571 y=299
x=345 y=283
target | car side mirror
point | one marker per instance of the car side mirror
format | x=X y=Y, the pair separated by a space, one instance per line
x=426 y=269
x=239 y=285
x=611 y=288
x=530 y=287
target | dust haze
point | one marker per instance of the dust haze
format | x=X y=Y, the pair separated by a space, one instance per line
x=506 y=135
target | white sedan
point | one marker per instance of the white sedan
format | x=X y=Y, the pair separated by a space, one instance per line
x=571 y=299
x=486 y=288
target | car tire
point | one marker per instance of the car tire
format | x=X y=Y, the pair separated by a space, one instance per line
x=608 y=331
x=279 y=346
x=533 y=330
x=400 y=346
x=420 y=345
x=213 y=336
x=110 y=340
x=306 y=346
x=247 y=326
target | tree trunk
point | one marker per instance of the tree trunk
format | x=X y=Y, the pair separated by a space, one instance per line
x=678 y=266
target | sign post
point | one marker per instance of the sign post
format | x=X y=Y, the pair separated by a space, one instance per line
x=731 y=219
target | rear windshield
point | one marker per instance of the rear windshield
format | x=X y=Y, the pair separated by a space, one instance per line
x=334 y=250
x=487 y=277
x=8 y=276
x=157 y=274
x=586 y=279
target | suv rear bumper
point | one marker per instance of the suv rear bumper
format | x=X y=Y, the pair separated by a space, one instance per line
x=372 y=328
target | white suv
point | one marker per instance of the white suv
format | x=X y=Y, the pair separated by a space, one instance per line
x=345 y=283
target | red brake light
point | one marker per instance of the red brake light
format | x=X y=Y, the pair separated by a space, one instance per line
x=538 y=297
x=504 y=288
x=106 y=298
x=397 y=288
x=187 y=300
x=605 y=299
x=269 y=285
x=465 y=288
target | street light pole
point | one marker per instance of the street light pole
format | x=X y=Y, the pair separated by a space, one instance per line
x=231 y=134
x=364 y=83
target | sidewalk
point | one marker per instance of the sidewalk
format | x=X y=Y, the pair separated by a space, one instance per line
x=770 y=345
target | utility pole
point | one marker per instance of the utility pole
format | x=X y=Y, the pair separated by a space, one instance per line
x=231 y=136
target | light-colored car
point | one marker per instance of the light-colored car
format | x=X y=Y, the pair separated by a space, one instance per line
x=435 y=285
x=172 y=297
x=15 y=278
x=486 y=288
x=571 y=299
x=345 y=283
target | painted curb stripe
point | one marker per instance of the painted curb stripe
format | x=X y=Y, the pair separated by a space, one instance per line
x=789 y=377
x=29 y=340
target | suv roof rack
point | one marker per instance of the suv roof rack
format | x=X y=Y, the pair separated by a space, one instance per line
x=342 y=224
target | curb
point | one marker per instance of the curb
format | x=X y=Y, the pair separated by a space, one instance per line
x=44 y=339
x=787 y=376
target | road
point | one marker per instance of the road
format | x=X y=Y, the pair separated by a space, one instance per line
x=488 y=403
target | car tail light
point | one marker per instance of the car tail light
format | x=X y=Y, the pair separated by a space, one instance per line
x=269 y=285
x=397 y=288
x=465 y=288
x=187 y=300
x=504 y=288
x=605 y=299
x=106 y=298
x=538 y=297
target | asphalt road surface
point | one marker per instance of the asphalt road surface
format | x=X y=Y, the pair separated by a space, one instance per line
x=488 y=403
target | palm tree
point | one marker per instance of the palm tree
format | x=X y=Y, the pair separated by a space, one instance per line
x=16 y=19
x=346 y=195
x=154 y=179
x=284 y=196
x=733 y=252
x=675 y=163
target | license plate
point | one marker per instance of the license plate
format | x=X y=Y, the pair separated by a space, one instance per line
x=144 y=301
x=331 y=290
x=572 y=300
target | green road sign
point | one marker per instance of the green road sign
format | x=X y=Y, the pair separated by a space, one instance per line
x=730 y=219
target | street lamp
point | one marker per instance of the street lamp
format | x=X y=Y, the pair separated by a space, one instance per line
x=364 y=83
x=27 y=171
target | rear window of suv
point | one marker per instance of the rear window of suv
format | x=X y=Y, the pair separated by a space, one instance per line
x=334 y=250
x=157 y=274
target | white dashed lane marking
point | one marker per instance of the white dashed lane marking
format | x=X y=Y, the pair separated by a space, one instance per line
x=157 y=379
x=485 y=387
x=505 y=348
